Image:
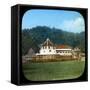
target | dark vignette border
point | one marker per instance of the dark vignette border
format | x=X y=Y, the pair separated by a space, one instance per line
x=22 y=10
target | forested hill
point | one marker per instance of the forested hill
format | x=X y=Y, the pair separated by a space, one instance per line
x=32 y=38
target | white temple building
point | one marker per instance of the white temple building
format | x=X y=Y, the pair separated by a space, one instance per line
x=48 y=48
x=51 y=52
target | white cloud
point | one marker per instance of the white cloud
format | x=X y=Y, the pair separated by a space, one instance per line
x=75 y=25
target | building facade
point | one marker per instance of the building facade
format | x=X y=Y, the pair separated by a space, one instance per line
x=48 y=48
x=50 y=51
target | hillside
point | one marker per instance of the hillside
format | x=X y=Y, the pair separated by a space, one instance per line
x=32 y=38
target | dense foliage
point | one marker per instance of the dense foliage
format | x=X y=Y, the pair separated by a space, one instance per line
x=34 y=37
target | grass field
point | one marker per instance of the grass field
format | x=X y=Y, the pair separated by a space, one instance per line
x=53 y=70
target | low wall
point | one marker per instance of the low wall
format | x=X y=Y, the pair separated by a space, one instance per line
x=51 y=58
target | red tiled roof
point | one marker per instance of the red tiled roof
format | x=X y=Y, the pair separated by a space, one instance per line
x=62 y=47
x=49 y=43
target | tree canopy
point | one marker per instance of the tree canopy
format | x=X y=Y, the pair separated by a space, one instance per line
x=32 y=38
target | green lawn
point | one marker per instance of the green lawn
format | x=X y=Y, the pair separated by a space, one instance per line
x=53 y=70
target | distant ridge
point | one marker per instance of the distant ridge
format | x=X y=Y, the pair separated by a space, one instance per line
x=32 y=38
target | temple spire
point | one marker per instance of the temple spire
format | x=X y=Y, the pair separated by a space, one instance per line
x=47 y=42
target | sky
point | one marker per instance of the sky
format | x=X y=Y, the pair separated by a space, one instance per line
x=70 y=21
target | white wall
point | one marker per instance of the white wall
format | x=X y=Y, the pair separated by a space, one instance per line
x=46 y=51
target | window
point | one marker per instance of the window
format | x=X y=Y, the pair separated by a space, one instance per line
x=49 y=47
